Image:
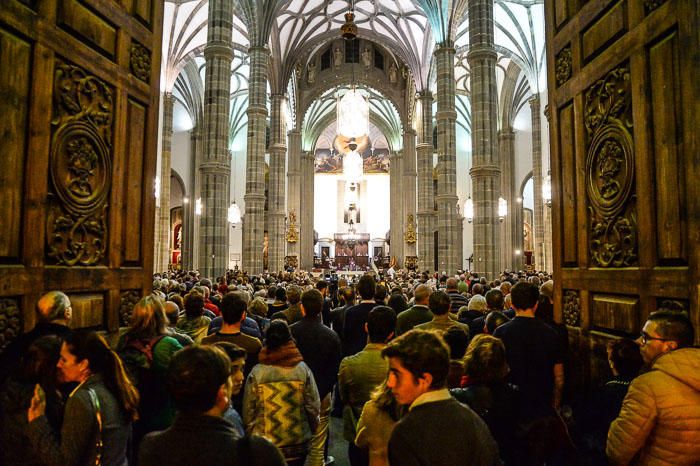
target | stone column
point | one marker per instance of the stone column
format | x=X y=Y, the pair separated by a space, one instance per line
x=306 y=217
x=162 y=246
x=506 y=147
x=424 y=163
x=485 y=171
x=215 y=169
x=294 y=184
x=449 y=251
x=254 y=222
x=396 y=202
x=409 y=187
x=190 y=238
x=276 y=203
x=537 y=183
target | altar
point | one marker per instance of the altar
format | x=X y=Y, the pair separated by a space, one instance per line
x=351 y=251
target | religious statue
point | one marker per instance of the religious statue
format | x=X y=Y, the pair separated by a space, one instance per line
x=410 y=235
x=311 y=73
x=366 y=58
x=337 y=57
x=292 y=233
x=392 y=73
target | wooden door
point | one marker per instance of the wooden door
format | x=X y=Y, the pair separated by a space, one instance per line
x=79 y=86
x=623 y=106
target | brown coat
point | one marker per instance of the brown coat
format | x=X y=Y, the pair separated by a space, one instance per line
x=659 y=423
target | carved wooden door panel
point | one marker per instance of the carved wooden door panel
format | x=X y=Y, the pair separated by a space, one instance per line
x=623 y=108
x=79 y=86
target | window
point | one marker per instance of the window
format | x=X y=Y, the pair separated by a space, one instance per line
x=326 y=60
x=352 y=51
x=378 y=59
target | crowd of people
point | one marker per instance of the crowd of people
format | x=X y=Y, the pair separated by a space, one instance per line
x=424 y=369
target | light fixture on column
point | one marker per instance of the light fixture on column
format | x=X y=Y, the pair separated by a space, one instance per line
x=234 y=214
x=547 y=189
x=469 y=209
x=156 y=190
x=198 y=206
x=185 y=200
x=502 y=209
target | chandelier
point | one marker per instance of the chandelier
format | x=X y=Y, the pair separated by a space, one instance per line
x=352 y=114
x=234 y=214
x=352 y=167
x=469 y=209
x=348 y=31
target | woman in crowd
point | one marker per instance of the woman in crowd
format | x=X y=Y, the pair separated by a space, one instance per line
x=257 y=310
x=37 y=366
x=281 y=401
x=374 y=427
x=146 y=349
x=485 y=390
x=99 y=412
x=194 y=323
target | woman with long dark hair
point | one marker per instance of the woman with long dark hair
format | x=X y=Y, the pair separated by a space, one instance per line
x=99 y=412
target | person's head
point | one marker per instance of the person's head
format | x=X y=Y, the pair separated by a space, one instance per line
x=381 y=323
x=55 y=307
x=281 y=295
x=665 y=331
x=194 y=305
x=258 y=307
x=311 y=303
x=477 y=303
x=494 y=319
x=322 y=286
x=199 y=379
x=535 y=280
x=422 y=294
x=38 y=364
x=172 y=312
x=366 y=287
x=293 y=294
x=494 y=299
x=451 y=284
x=419 y=362
x=485 y=361
x=545 y=308
x=478 y=289
x=380 y=294
x=237 y=356
x=547 y=289
x=347 y=295
x=85 y=353
x=439 y=303
x=505 y=288
x=457 y=340
x=233 y=308
x=385 y=400
x=148 y=318
x=398 y=303
x=524 y=296
x=278 y=334
x=271 y=292
x=625 y=358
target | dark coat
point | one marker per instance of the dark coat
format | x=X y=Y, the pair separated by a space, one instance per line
x=320 y=347
x=199 y=439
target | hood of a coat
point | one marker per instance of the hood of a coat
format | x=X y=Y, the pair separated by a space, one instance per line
x=683 y=365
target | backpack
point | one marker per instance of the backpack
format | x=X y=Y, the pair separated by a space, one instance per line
x=137 y=356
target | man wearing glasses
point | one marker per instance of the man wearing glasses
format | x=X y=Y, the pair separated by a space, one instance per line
x=659 y=422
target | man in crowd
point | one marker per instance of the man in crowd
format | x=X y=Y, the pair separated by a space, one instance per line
x=292 y=313
x=200 y=384
x=494 y=303
x=438 y=430
x=320 y=348
x=53 y=313
x=354 y=336
x=659 y=422
x=347 y=300
x=439 y=303
x=418 y=314
x=361 y=373
x=323 y=287
x=456 y=298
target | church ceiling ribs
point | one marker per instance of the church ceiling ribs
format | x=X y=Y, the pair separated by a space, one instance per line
x=610 y=187
x=80 y=167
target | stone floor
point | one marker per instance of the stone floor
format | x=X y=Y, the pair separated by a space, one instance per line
x=338 y=446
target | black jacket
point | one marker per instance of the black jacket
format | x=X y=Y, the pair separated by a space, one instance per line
x=199 y=439
x=320 y=347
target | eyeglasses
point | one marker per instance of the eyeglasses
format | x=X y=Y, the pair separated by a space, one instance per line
x=646 y=338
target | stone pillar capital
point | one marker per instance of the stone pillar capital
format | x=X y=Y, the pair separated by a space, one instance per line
x=218 y=49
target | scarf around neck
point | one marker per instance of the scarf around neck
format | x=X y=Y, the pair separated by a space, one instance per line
x=286 y=355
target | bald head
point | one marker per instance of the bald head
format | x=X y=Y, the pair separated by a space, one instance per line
x=172 y=310
x=54 y=306
x=421 y=294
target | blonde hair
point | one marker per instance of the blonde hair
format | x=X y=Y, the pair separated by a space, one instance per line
x=485 y=361
x=258 y=306
x=148 y=318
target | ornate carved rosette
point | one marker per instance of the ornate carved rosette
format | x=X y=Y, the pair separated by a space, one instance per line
x=610 y=172
x=140 y=62
x=572 y=308
x=80 y=167
x=411 y=262
x=10 y=321
x=127 y=301
x=291 y=261
x=562 y=66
